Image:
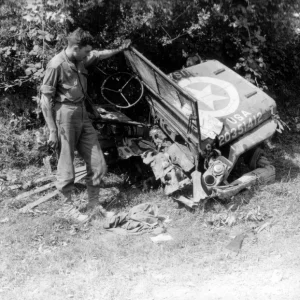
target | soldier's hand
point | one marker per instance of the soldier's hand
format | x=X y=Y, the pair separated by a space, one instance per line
x=53 y=140
x=125 y=45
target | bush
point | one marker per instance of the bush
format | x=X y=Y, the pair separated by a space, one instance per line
x=18 y=146
x=257 y=38
x=30 y=37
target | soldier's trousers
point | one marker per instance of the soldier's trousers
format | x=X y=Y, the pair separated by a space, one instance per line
x=75 y=132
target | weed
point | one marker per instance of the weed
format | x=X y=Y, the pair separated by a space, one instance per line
x=18 y=148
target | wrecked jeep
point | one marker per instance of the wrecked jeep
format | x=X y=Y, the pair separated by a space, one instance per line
x=203 y=119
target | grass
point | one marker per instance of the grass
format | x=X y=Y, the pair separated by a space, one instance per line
x=45 y=257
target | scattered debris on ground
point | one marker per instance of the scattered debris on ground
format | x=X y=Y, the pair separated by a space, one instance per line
x=142 y=218
x=161 y=238
x=236 y=244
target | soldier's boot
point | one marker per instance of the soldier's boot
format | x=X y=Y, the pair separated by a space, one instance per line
x=94 y=204
x=69 y=211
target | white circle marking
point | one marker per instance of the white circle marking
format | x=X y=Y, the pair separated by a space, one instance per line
x=234 y=99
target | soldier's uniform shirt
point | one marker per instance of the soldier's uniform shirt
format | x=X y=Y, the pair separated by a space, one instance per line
x=65 y=82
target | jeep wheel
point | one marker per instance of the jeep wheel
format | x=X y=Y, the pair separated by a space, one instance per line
x=252 y=156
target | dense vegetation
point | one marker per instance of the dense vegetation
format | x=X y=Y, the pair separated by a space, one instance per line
x=258 y=38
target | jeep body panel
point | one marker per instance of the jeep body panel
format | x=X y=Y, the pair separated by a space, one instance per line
x=223 y=94
x=205 y=104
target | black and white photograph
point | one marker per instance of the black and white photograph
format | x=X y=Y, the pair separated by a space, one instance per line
x=149 y=149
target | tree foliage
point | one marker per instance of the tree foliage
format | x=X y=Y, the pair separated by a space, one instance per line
x=30 y=36
x=259 y=38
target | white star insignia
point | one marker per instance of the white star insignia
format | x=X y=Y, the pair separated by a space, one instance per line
x=206 y=96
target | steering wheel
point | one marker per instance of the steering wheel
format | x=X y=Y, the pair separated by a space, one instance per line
x=122 y=89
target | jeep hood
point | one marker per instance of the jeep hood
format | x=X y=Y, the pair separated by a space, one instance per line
x=229 y=104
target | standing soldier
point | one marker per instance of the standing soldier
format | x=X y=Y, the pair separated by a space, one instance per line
x=63 y=92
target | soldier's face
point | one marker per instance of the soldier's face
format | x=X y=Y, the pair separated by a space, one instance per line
x=81 y=53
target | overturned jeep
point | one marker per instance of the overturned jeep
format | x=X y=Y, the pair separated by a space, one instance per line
x=203 y=119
